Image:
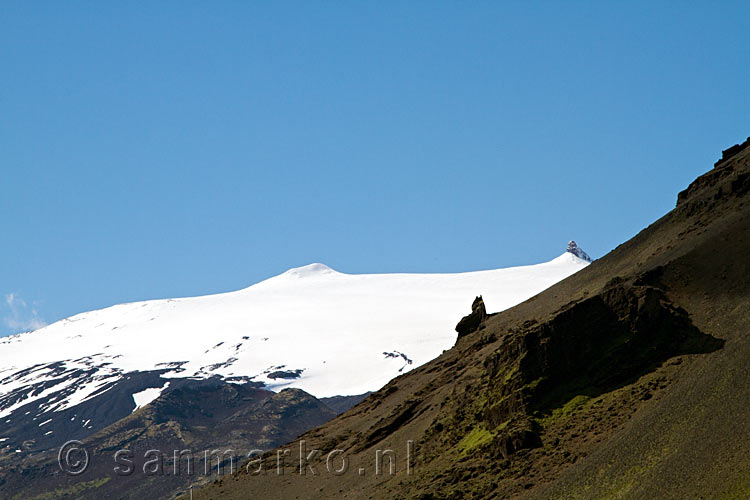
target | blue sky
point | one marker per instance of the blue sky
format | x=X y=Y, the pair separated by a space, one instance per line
x=157 y=149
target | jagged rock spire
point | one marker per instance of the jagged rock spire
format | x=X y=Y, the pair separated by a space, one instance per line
x=471 y=322
x=578 y=251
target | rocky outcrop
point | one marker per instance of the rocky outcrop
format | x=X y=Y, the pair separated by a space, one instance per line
x=578 y=251
x=728 y=179
x=588 y=347
x=732 y=151
x=471 y=322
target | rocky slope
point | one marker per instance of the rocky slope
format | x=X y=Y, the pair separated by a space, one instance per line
x=627 y=380
x=182 y=436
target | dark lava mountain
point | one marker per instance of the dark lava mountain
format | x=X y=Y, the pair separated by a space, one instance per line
x=210 y=425
x=629 y=379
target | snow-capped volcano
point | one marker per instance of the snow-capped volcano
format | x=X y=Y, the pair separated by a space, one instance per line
x=311 y=327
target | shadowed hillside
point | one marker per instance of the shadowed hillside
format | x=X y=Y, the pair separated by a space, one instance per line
x=196 y=430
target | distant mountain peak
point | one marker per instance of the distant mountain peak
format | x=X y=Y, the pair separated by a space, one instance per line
x=578 y=251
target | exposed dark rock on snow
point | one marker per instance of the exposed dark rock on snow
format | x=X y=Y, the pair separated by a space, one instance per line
x=285 y=374
x=578 y=251
x=399 y=355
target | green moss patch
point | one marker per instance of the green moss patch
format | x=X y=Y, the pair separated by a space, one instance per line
x=477 y=438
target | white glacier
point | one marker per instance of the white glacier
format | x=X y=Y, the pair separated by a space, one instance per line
x=312 y=327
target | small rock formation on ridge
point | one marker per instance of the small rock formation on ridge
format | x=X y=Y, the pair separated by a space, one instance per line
x=471 y=322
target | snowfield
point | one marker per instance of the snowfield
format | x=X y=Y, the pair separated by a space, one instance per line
x=311 y=327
